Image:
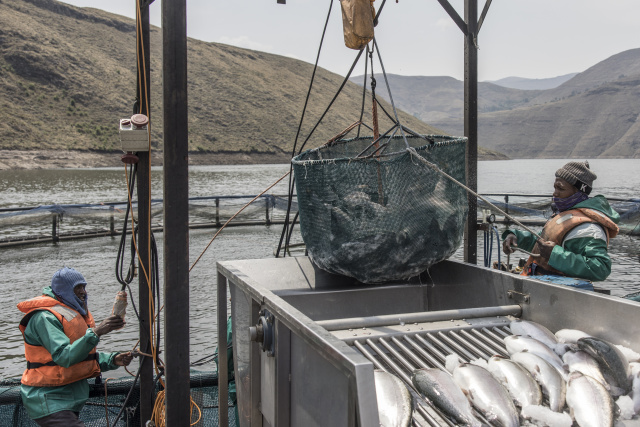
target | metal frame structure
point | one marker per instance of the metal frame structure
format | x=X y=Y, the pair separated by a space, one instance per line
x=176 y=194
x=147 y=387
x=470 y=27
x=176 y=212
x=329 y=333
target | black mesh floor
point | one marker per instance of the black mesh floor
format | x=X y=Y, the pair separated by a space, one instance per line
x=204 y=391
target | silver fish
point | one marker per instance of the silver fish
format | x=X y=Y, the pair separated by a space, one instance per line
x=394 y=400
x=520 y=384
x=562 y=347
x=581 y=361
x=570 y=336
x=534 y=330
x=517 y=344
x=486 y=394
x=612 y=362
x=553 y=386
x=439 y=388
x=590 y=404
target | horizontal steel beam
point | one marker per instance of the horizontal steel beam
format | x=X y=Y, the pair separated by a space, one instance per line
x=428 y=316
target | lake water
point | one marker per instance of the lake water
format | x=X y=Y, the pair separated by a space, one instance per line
x=26 y=270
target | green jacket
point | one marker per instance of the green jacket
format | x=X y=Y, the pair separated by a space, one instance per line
x=46 y=330
x=581 y=257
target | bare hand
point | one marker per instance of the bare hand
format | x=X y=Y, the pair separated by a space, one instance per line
x=123 y=359
x=546 y=248
x=510 y=240
x=109 y=324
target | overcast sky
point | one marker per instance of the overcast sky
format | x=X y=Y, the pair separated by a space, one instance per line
x=523 y=38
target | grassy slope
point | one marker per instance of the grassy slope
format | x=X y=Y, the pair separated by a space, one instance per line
x=68 y=74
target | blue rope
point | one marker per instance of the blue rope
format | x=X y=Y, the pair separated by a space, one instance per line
x=488 y=246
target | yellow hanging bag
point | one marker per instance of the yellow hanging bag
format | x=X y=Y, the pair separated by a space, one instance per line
x=357 y=22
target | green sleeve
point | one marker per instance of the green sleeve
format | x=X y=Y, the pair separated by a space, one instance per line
x=526 y=240
x=106 y=361
x=585 y=258
x=45 y=329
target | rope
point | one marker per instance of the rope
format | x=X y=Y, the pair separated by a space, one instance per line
x=295 y=143
x=106 y=402
x=158 y=416
x=415 y=154
x=141 y=60
x=151 y=247
x=364 y=93
x=234 y=215
x=374 y=100
x=384 y=73
x=342 y=133
x=292 y=179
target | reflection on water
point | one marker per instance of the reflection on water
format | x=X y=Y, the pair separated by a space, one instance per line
x=26 y=270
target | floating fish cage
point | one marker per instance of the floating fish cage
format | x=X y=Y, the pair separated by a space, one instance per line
x=61 y=222
x=116 y=402
x=307 y=343
x=381 y=215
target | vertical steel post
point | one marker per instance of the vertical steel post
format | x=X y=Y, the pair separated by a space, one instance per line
x=54 y=228
x=112 y=221
x=506 y=207
x=176 y=212
x=471 y=127
x=223 y=363
x=267 y=201
x=147 y=388
x=217 y=212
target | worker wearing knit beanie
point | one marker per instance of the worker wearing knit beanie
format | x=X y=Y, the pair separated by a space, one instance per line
x=574 y=242
x=579 y=175
x=579 y=178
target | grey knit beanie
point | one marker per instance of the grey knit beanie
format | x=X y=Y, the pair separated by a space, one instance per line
x=578 y=174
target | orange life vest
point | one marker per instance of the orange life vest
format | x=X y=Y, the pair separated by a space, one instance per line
x=41 y=370
x=557 y=228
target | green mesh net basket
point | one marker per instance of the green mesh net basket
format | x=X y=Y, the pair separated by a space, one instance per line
x=386 y=218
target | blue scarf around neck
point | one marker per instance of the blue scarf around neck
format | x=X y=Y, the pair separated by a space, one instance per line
x=563 y=204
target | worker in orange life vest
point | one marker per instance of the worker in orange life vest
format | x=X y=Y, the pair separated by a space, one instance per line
x=60 y=338
x=575 y=240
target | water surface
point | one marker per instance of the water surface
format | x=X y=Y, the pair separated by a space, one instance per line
x=26 y=270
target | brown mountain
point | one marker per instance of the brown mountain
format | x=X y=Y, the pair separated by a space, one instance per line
x=594 y=114
x=616 y=67
x=68 y=74
x=602 y=122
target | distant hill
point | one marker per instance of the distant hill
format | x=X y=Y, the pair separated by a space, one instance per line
x=532 y=84
x=68 y=74
x=602 y=122
x=439 y=98
x=618 y=66
x=594 y=114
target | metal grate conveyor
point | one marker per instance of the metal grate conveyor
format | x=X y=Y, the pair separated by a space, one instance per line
x=402 y=348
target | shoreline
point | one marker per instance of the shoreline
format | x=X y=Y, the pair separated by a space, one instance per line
x=76 y=159
x=67 y=159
